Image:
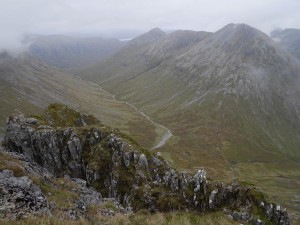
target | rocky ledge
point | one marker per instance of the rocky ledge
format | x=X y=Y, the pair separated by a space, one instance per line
x=103 y=165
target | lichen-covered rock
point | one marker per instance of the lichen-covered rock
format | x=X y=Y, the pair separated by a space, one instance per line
x=56 y=150
x=88 y=196
x=19 y=197
x=121 y=170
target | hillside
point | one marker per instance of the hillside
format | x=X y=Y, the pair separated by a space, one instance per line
x=231 y=99
x=27 y=85
x=72 y=52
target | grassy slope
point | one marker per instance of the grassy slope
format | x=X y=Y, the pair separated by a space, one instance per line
x=35 y=85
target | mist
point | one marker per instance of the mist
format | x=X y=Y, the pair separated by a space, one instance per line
x=113 y=18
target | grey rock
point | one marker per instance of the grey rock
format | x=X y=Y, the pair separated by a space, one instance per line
x=88 y=196
x=212 y=198
x=156 y=161
x=32 y=121
x=143 y=163
x=44 y=127
x=243 y=216
x=71 y=214
x=171 y=179
x=20 y=197
x=107 y=212
x=126 y=159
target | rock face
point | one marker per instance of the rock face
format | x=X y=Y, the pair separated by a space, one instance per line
x=103 y=158
x=20 y=197
x=56 y=150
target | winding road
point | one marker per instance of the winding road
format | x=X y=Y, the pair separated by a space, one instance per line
x=168 y=134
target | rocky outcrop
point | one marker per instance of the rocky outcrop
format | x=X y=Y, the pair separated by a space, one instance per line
x=117 y=168
x=19 y=197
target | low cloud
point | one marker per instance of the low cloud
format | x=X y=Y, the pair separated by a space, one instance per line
x=106 y=17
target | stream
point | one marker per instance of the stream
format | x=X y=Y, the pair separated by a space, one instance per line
x=168 y=134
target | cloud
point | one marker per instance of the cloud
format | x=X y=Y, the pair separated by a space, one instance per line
x=96 y=16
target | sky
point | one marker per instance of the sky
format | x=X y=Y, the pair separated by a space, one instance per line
x=107 y=17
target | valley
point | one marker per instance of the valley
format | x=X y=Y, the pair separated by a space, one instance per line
x=165 y=133
x=229 y=98
x=227 y=102
x=28 y=85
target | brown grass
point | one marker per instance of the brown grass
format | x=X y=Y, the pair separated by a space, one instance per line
x=142 y=218
x=9 y=163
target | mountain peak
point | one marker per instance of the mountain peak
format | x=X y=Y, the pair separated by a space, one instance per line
x=156 y=30
x=240 y=29
x=241 y=37
x=148 y=37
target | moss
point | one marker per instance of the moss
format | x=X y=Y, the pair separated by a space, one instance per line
x=111 y=206
x=190 y=191
x=130 y=140
x=259 y=212
x=59 y=115
x=126 y=179
x=245 y=183
x=138 y=200
x=98 y=158
x=258 y=196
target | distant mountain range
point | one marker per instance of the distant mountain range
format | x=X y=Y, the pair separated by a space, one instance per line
x=70 y=52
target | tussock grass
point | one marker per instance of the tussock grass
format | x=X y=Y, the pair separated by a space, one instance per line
x=9 y=163
x=141 y=218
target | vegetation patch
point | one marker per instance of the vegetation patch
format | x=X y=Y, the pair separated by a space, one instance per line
x=59 y=115
x=58 y=190
x=9 y=163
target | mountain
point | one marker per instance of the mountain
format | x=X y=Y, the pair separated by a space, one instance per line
x=65 y=165
x=231 y=99
x=27 y=85
x=289 y=39
x=69 y=52
x=148 y=37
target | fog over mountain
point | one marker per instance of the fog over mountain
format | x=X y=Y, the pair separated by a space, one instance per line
x=107 y=18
